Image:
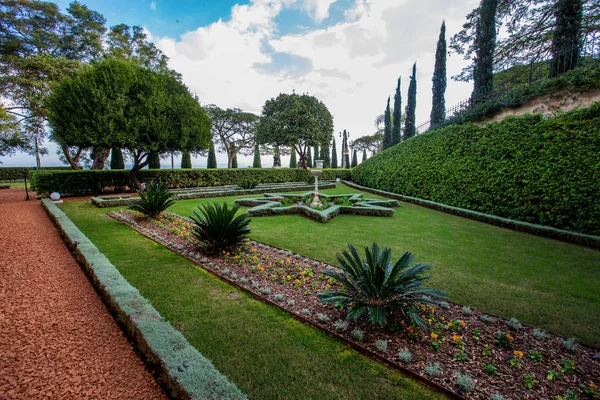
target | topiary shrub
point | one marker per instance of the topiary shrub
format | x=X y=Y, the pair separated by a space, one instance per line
x=373 y=286
x=218 y=228
x=156 y=200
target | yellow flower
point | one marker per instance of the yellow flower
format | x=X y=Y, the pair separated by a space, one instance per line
x=434 y=335
x=442 y=318
x=297 y=281
x=302 y=273
x=289 y=278
x=456 y=338
x=449 y=323
x=518 y=354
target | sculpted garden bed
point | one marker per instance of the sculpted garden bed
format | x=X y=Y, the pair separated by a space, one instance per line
x=474 y=355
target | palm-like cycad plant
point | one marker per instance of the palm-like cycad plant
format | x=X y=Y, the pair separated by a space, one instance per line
x=217 y=227
x=374 y=286
x=156 y=200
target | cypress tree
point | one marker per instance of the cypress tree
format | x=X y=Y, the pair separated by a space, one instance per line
x=154 y=161
x=256 y=163
x=347 y=158
x=397 y=118
x=410 y=127
x=234 y=163
x=277 y=156
x=186 y=159
x=116 y=159
x=438 y=106
x=211 y=162
x=334 y=159
x=485 y=45
x=364 y=156
x=387 y=127
x=309 y=162
x=293 y=162
x=566 y=39
x=354 y=159
x=316 y=155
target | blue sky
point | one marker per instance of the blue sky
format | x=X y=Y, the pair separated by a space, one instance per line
x=347 y=53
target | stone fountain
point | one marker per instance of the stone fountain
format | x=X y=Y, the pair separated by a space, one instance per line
x=316 y=172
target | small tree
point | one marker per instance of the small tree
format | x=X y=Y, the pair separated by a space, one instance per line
x=364 y=157
x=354 y=159
x=186 y=160
x=485 y=45
x=116 y=159
x=130 y=107
x=397 y=117
x=211 y=161
x=387 y=129
x=438 y=106
x=325 y=156
x=316 y=156
x=410 y=126
x=256 y=162
x=293 y=162
x=309 y=161
x=334 y=158
x=298 y=121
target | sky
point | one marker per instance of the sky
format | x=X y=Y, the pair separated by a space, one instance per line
x=347 y=53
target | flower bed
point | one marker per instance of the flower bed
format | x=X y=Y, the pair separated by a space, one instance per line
x=467 y=352
x=329 y=206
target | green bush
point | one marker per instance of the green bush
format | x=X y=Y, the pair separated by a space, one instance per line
x=96 y=182
x=373 y=286
x=17 y=173
x=156 y=200
x=217 y=228
x=528 y=168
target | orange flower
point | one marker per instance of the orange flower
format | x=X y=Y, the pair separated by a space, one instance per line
x=449 y=323
x=434 y=335
x=463 y=323
x=456 y=338
x=302 y=273
x=410 y=329
x=518 y=354
x=298 y=281
x=510 y=338
x=593 y=386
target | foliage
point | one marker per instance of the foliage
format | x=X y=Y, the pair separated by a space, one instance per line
x=405 y=356
x=154 y=201
x=485 y=44
x=364 y=155
x=325 y=156
x=489 y=369
x=316 y=156
x=116 y=158
x=396 y=135
x=130 y=107
x=358 y=334
x=570 y=345
x=514 y=324
x=525 y=168
x=293 y=162
x=503 y=339
x=539 y=334
x=466 y=310
x=154 y=160
x=298 y=121
x=438 y=107
x=341 y=325
x=17 y=173
x=566 y=38
x=256 y=162
x=374 y=286
x=186 y=160
x=234 y=129
x=464 y=382
x=309 y=160
x=529 y=381
x=410 y=127
x=211 y=161
x=387 y=127
x=334 y=157
x=217 y=227
x=354 y=159
x=10 y=138
x=433 y=370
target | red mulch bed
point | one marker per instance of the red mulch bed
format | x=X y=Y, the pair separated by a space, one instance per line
x=257 y=266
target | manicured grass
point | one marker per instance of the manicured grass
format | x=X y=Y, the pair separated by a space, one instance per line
x=542 y=282
x=15 y=184
x=264 y=351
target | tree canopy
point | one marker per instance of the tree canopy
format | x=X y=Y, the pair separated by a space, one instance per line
x=118 y=103
x=372 y=143
x=297 y=121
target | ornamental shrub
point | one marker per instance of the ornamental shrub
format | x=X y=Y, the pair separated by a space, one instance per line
x=528 y=168
x=218 y=228
x=156 y=200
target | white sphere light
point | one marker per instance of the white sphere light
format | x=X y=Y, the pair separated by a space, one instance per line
x=337 y=179
x=55 y=196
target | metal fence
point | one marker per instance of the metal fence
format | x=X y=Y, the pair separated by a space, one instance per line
x=539 y=69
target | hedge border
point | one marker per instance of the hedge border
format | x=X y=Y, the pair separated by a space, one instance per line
x=181 y=369
x=116 y=201
x=17 y=173
x=540 y=230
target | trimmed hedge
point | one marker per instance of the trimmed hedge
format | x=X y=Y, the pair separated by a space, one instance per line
x=16 y=173
x=96 y=182
x=185 y=372
x=528 y=168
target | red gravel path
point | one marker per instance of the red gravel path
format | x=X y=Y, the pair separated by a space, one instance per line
x=57 y=340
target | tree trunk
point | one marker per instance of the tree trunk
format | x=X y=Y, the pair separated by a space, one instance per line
x=72 y=160
x=137 y=166
x=100 y=156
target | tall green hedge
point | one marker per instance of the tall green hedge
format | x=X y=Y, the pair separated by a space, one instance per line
x=96 y=182
x=16 y=173
x=544 y=171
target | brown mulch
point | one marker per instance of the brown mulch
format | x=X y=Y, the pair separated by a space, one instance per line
x=57 y=340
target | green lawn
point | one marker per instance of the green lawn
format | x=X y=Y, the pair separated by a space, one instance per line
x=542 y=282
x=268 y=354
x=15 y=184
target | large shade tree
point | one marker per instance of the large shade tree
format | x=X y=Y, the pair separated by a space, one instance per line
x=234 y=131
x=372 y=143
x=297 y=121
x=118 y=103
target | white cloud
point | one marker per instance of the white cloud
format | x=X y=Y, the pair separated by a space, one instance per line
x=153 y=5
x=317 y=9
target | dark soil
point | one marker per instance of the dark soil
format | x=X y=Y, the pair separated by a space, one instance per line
x=268 y=272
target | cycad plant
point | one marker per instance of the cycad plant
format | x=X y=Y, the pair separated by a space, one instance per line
x=218 y=228
x=156 y=200
x=374 y=286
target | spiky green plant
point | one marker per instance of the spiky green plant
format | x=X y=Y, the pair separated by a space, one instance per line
x=218 y=228
x=156 y=200
x=374 y=286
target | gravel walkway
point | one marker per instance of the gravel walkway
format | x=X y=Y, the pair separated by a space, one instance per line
x=57 y=340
